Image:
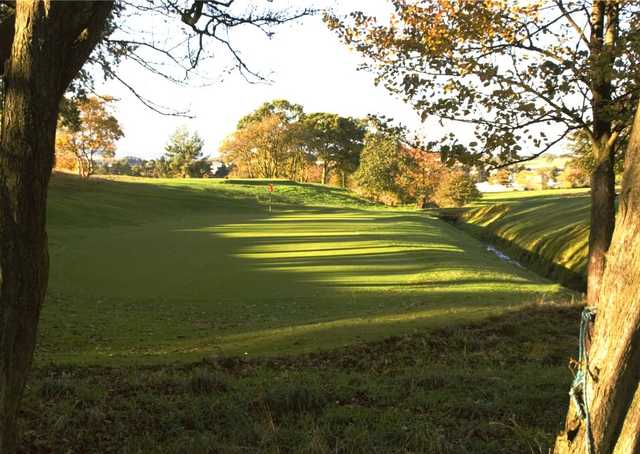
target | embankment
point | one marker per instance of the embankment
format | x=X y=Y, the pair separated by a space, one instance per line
x=546 y=231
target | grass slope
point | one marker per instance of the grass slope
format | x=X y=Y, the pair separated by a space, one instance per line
x=164 y=270
x=547 y=230
x=499 y=386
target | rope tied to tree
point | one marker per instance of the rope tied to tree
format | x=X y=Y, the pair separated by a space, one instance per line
x=578 y=391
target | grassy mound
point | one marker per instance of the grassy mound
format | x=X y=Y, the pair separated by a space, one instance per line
x=110 y=201
x=546 y=230
x=161 y=270
x=499 y=386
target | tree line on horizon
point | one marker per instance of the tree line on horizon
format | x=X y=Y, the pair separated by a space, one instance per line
x=280 y=140
x=277 y=140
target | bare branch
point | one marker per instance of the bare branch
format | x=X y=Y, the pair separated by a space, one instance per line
x=205 y=22
x=162 y=110
x=572 y=22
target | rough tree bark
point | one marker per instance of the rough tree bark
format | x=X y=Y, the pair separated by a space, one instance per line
x=614 y=359
x=604 y=30
x=50 y=43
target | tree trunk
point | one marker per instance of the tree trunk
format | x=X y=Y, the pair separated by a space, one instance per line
x=604 y=26
x=324 y=173
x=80 y=167
x=613 y=387
x=50 y=43
x=603 y=196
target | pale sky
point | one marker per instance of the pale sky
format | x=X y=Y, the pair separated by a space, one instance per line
x=306 y=62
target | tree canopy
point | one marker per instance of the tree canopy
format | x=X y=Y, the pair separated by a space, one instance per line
x=266 y=147
x=92 y=133
x=280 y=140
x=511 y=69
x=523 y=75
x=183 y=151
x=335 y=141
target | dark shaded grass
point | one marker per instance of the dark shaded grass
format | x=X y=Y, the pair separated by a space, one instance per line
x=499 y=386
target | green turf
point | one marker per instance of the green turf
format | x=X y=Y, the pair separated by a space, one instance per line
x=548 y=230
x=164 y=270
x=499 y=386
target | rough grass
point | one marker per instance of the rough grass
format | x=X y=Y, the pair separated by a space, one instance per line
x=547 y=230
x=162 y=270
x=499 y=386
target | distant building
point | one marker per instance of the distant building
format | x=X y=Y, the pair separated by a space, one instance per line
x=539 y=173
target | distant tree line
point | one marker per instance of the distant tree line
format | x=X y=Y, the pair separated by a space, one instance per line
x=280 y=140
x=394 y=172
x=277 y=140
x=86 y=144
x=160 y=168
x=572 y=170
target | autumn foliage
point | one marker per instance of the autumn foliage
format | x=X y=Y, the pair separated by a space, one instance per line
x=394 y=173
x=94 y=135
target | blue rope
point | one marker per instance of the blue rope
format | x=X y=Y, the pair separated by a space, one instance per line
x=578 y=391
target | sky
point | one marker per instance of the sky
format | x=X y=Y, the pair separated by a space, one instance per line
x=305 y=61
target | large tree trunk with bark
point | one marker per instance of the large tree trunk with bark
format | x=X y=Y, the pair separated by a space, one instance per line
x=604 y=31
x=613 y=386
x=50 y=43
x=603 y=196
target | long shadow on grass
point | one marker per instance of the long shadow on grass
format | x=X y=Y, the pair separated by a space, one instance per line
x=241 y=280
x=325 y=292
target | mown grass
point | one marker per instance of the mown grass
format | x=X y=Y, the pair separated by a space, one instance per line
x=163 y=270
x=547 y=230
x=496 y=386
x=183 y=317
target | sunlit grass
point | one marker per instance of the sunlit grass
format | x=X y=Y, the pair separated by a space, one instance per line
x=551 y=227
x=154 y=270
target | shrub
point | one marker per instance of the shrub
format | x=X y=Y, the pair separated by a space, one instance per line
x=456 y=189
x=574 y=177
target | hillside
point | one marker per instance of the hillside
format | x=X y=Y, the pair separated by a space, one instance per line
x=163 y=270
x=105 y=201
x=546 y=230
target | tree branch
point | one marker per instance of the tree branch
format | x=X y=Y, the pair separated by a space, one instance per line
x=162 y=110
x=567 y=15
x=84 y=35
x=537 y=154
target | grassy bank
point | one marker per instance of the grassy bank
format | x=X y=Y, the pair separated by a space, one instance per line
x=546 y=230
x=162 y=270
x=499 y=386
